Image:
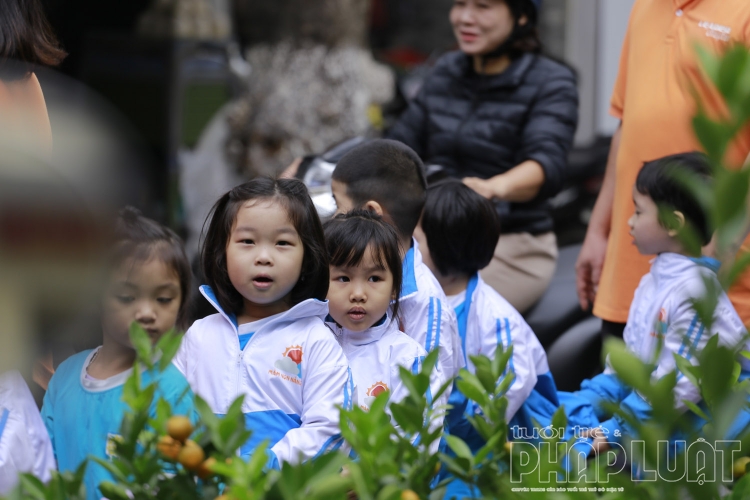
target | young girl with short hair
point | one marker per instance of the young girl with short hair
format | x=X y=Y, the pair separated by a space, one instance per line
x=265 y=263
x=148 y=284
x=366 y=274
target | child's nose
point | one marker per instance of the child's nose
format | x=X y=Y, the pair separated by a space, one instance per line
x=358 y=294
x=146 y=313
x=263 y=257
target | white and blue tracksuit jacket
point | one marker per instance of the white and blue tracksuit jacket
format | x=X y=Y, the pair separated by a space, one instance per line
x=25 y=446
x=375 y=356
x=487 y=320
x=292 y=373
x=662 y=316
x=427 y=317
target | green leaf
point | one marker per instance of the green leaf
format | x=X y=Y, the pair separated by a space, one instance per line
x=687 y=369
x=731 y=192
x=472 y=389
x=500 y=362
x=168 y=345
x=696 y=409
x=408 y=417
x=631 y=370
x=113 y=491
x=32 y=486
x=141 y=342
x=737 y=268
x=714 y=137
x=459 y=447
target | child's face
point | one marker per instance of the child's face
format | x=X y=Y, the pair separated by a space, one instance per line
x=264 y=257
x=648 y=234
x=359 y=296
x=147 y=292
x=344 y=204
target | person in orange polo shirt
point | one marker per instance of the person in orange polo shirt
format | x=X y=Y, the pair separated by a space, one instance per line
x=659 y=75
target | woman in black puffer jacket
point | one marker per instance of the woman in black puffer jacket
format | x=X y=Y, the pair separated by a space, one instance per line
x=502 y=118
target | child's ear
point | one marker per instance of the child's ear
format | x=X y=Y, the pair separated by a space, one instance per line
x=678 y=219
x=374 y=206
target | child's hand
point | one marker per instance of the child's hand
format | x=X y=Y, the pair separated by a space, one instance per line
x=600 y=443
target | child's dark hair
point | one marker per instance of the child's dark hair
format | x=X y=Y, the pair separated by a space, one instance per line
x=660 y=180
x=461 y=227
x=140 y=238
x=292 y=195
x=390 y=173
x=349 y=235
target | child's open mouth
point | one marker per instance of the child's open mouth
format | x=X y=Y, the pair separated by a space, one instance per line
x=356 y=313
x=262 y=281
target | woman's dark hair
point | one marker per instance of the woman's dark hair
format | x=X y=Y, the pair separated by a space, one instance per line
x=524 y=38
x=139 y=238
x=292 y=195
x=663 y=180
x=461 y=227
x=26 y=37
x=349 y=235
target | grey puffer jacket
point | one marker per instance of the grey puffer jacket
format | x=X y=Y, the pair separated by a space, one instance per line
x=483 y=125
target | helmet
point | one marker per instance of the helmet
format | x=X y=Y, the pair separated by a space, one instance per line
x=530 y=8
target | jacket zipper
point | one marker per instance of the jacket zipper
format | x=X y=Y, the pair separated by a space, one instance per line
x=458 y=153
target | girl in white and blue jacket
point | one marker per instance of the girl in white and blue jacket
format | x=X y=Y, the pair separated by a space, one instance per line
x=266 y=266
x=366 y=278
x=457 y=234
x=662 y=319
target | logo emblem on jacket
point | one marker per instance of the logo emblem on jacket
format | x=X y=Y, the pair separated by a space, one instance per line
x=291 y=361
x=660 y=325
x=372 y=393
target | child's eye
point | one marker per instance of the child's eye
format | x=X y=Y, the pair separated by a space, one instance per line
x=247 y=242
x=283 y=243
x=165 y=300
x=375 y=279
x=343 y=279
x=125 y=299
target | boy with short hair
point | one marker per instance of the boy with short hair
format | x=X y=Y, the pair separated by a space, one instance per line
x=458 y=233
x=662 y=315
x=387 y=177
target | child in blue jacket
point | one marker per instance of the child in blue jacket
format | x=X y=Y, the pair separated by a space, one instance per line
x=83 y=407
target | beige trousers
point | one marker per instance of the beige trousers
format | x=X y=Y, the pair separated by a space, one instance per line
x=522 y=267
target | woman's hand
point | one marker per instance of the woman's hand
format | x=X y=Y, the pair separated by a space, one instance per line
x=485 y=187
x=519 y=184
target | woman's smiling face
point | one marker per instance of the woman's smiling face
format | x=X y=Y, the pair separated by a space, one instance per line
x=481 y=26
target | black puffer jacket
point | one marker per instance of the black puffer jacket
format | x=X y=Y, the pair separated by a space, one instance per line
x=483 y=125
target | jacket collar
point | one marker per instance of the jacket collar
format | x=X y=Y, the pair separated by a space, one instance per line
x=670 y=265
x=511 y=77
x=305 y=309
x=372 y=334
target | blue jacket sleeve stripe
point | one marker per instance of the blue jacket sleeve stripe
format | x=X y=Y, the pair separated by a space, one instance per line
x=348 y=390
x=695 y=342
x=689 y=354
x=686 y=339
x=438 y=323
x=331 y=443
x=4 y=421
x=507 y=335
x=430 y=320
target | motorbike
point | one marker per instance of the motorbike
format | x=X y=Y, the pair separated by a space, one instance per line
x=570 y=335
